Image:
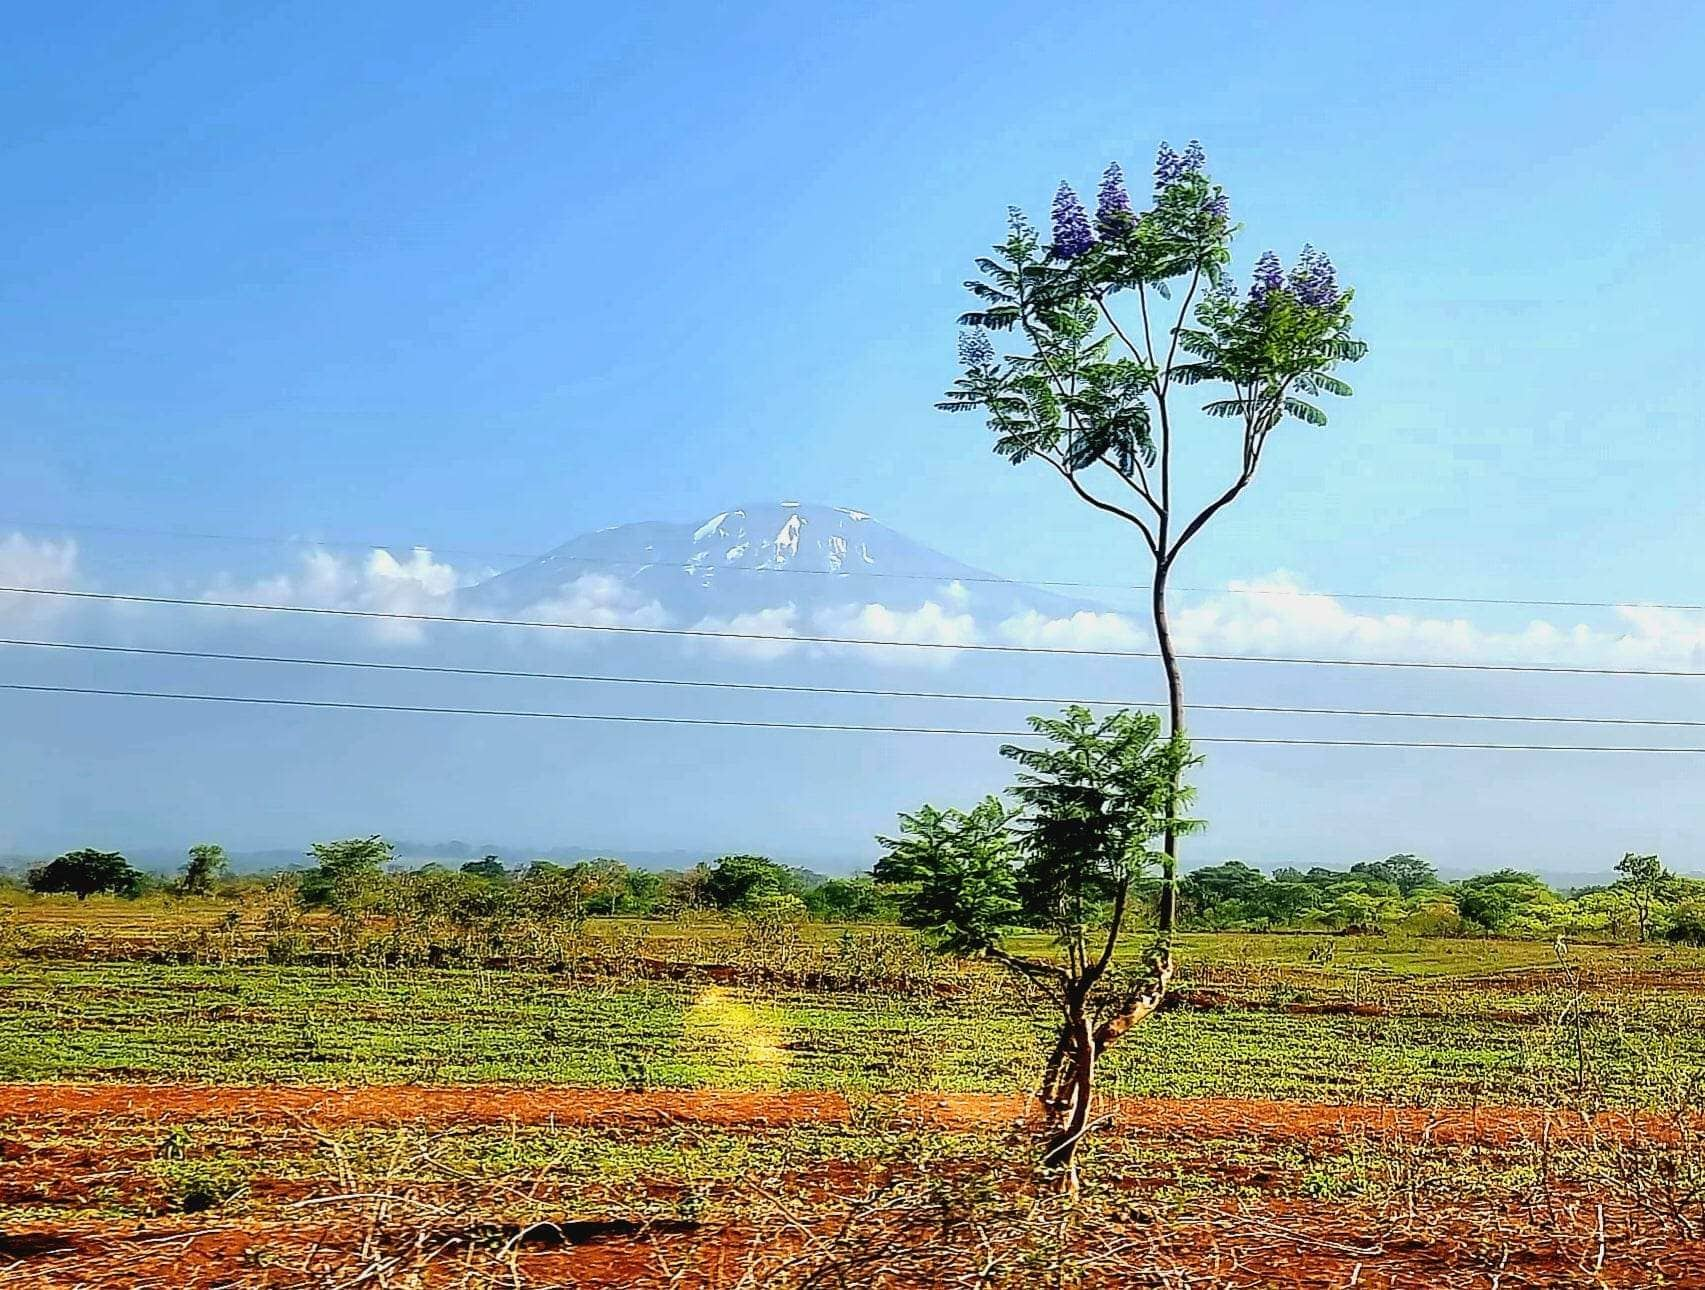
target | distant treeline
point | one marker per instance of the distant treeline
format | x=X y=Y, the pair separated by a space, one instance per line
x=1399 y=893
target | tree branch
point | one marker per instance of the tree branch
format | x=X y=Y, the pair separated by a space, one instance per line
x=1099 y=504
x=1139 y=486
x=1114 y=923
x=1143 y=1001
x=1035 y=969
x=1120 y=331
x=1165 y=374
x=1257 y=426
x=1148 y=335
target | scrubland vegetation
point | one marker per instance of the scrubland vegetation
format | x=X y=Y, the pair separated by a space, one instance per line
x=352 y=900
x=704 y=1096
x=361 y=1071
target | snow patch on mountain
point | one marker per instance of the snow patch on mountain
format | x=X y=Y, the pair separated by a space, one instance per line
x=710 y=526
x=786 y=542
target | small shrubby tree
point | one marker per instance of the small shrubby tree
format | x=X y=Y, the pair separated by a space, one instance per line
x=1408 y=873
x=1506 y=900
x=683 y=891
x=956 y=873
x=345 y=869
x=849 y=900
x=748 y=881
x=207 y=864
x=603 y=882
x=1092 y=804
x=1643 y=877
x=1687 y=925
x=488 y=867
x=84 y=873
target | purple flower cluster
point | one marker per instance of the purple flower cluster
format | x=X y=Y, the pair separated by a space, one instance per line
x=1113 y=212
x=1269 y=277
x=975 y=347
x=1219 y=206
x=1314 y=281
x=1170 y=167
x=1072 y=235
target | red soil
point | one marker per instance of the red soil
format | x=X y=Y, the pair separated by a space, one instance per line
x=608 y=1108
x=1260 y=1239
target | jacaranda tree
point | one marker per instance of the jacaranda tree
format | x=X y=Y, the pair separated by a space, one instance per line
x=1092 y=805
x=1115 y=318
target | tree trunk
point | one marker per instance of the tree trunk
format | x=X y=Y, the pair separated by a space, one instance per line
x=1063 y=1146
x=1175 y=725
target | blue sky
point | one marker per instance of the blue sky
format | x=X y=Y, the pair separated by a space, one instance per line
x=489 y=277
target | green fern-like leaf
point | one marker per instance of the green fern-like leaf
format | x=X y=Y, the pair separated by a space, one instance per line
x=1305 y=412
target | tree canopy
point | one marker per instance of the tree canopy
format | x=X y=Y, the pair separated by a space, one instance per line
x=344 y=866
x=746 y=881
x=86 y=872
x=956 y=873
x=206 y=865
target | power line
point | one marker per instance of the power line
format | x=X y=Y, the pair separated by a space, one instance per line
x=508 y=712
x=861 y=642
x=992 y=579
x=779 y=688
x=629 y=718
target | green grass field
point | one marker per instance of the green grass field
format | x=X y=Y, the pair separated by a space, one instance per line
x=1343 y=1038
x=582 y=1082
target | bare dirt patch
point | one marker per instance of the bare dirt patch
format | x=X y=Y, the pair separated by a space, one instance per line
x=1217 y=1192
x=610 y=1108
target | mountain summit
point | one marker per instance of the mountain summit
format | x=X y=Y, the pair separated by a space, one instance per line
x=749 y=558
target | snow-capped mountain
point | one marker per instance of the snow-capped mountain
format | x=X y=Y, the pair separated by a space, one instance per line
x=750 y=558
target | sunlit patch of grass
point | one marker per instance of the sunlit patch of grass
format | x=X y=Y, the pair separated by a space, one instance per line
x=731 y=1033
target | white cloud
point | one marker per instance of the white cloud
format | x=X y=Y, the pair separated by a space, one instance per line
x=930 y=624
x=1277 y=615
x=1658 y=635
x=28 y=563
x=1082 y=630
x=780 y=621
x=380 y=583
x=1274 y=615
x=597 y=600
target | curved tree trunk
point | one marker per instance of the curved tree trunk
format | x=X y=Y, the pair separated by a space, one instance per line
x=1062 y=1147
x=1069 y=1076
x=1175 y=725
